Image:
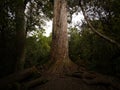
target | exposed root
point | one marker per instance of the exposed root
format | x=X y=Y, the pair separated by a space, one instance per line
x=92 y=78
x=63 y=67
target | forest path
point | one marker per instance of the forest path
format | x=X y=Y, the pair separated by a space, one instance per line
x=70 y=83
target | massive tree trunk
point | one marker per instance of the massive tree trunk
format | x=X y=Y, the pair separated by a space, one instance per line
x=20 y=35
x=60 y=61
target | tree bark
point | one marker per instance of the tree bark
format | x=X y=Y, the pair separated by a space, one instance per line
x=20 y=35
x=59 y=52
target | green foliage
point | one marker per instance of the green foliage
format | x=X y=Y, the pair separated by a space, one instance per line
x=107 y=12
x=35 y=17
x=46 y=7
x=100 y=55
x=8 y=31
x=38 y=49
x=7 y=37
x=83 y=45
x=74 y=51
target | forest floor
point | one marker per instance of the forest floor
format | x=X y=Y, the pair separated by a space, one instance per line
x=69 y=83
x=78 y=82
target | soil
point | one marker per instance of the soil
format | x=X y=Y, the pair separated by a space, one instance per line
x=69 y=83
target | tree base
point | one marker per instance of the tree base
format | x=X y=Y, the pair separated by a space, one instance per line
x=62 y=67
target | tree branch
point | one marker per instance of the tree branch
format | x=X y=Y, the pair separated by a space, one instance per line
x=95 y=31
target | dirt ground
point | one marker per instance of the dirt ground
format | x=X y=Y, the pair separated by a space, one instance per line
x=69 y=83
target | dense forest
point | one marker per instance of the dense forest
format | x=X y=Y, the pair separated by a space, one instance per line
x=89 y=49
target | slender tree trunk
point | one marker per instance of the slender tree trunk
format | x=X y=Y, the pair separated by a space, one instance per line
x=59 y=52
x=20 y=35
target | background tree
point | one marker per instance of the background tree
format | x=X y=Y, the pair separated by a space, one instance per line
x=95 y=31
x=9 y=21
x=107 y=16
x=20 y=35
x=101 y=55
x=7 y=37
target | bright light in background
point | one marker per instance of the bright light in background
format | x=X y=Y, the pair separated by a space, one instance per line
x=76 y=18
x=48 y=28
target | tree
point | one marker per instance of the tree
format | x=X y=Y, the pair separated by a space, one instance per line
x=20 y=35
x=35 y=18
x=7 y=37
x=60 y=62
x=108 y=11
